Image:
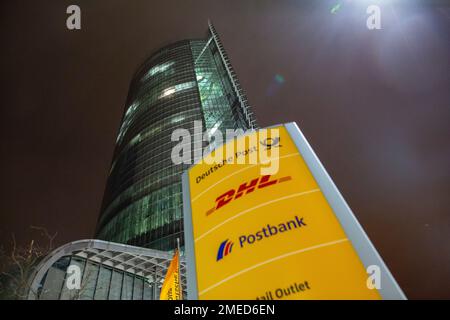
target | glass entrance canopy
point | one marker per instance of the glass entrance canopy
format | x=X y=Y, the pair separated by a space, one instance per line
x=107 y=271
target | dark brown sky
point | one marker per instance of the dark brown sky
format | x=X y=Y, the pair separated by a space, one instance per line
x=375 y=106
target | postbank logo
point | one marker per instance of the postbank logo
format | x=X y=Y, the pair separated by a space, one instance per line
x=224 y=249
x=263 y=233
x=244 y=189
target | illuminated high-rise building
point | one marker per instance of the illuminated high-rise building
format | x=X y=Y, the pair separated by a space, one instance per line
x=187 y=81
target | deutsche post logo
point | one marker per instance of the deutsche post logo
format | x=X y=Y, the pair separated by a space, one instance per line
x=270 y=143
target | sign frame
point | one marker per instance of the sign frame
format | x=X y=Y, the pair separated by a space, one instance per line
x=366 y=251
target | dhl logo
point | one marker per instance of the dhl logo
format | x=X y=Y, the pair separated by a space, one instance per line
x=244 y=189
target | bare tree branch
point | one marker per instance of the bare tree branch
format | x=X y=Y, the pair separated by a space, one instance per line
x=17 y=266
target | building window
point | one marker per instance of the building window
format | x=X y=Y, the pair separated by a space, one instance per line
x=157 y=69
x=179 y=87
x=148 y=291
x=102 y=288
x=55 y=279
x=116 y=285
x=127 y=288
x=138 y=288
x=73 y=294
x=89 y=281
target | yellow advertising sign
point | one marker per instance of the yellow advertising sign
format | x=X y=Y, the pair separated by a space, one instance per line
x=268 y=234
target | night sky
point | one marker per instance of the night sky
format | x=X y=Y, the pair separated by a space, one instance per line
x=374 y=105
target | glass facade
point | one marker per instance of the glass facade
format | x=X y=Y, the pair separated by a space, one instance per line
x=99 y=282
x=187 y=81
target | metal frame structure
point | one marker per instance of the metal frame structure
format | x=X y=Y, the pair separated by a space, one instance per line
x=246 y=109
x=189 y=248
x=149 y=263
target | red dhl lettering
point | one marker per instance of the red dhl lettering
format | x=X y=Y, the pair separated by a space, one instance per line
x=244 y=189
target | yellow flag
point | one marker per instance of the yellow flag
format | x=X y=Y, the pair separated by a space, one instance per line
x=171 y=288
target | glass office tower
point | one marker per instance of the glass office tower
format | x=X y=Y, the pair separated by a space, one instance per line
x=190 y=80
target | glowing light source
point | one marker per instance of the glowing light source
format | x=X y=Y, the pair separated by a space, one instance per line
x=179 y=87
x=157 y=69
x=335 y=8
x=279 y=78
x=168 y=92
